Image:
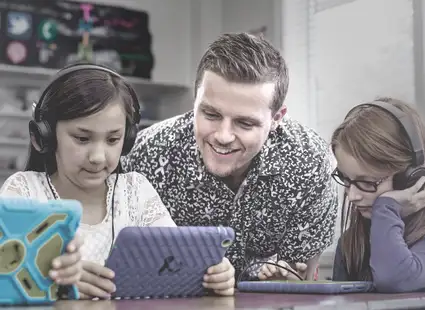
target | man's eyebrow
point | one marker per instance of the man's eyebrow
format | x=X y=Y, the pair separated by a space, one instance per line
x=207 y=105
x=249 y=119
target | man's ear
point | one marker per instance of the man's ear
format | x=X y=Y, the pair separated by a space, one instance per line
x=34 y=143
x=278 y=116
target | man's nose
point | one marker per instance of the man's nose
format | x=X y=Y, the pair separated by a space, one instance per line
x=225 y=134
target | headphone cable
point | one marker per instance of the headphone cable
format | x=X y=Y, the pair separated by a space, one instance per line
x=112 y=202
x=269 y=263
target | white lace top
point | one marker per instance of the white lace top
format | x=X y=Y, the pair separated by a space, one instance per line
x=136 y=204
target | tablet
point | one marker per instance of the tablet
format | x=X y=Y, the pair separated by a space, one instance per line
x=32 y=234
x=166 y=262
x=306 y=287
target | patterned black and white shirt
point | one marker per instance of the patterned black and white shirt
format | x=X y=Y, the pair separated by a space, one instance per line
x=285 y=209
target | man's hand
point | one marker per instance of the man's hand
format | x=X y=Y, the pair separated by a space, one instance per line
x=221 y=278
x=96 y=281
x=269 y=271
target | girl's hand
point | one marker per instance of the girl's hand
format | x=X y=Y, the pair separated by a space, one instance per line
x=412 y=199
x=96 y=281
x=67 y=268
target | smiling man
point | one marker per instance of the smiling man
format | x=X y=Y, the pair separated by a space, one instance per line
x=238 y=160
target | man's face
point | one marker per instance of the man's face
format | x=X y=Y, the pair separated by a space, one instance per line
x=232 y=122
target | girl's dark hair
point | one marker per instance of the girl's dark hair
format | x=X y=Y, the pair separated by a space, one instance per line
x=78 y=94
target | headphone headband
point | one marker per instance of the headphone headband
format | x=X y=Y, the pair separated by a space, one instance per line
x=43 y=132
x=37 y=106
x=407 y=125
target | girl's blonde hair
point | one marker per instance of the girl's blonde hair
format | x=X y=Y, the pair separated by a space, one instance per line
x=375 y=139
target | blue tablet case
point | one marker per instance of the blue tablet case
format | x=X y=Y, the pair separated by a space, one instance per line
x=306 y=287
x=32 y=234
x=166 y=262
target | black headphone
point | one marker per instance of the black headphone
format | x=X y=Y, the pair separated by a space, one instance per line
x=415 y=171
x=42 y=132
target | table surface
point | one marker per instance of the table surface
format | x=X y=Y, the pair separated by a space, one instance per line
x=252 y=301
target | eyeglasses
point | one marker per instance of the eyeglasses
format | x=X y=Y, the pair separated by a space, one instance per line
x=365 y=186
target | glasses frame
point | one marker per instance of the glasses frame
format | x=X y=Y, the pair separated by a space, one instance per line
x=339 y=178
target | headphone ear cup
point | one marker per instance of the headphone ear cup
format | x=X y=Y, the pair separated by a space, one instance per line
x=408 y=178
x=42 y=134
x=129 y=139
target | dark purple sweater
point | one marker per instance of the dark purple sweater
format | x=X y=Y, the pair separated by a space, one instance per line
x=395 y=267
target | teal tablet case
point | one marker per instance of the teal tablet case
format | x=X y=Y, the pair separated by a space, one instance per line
x=32 y=234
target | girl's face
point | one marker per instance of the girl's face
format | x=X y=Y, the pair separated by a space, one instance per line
x=89 y=148
x=349 y=169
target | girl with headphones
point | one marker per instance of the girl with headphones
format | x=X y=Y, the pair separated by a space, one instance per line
x=379 y=150
x=84 y=121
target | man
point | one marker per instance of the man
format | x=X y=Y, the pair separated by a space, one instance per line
x=237 y=160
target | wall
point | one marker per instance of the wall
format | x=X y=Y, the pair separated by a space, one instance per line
x=170 y=25
x=295 y=48
x=341 y=53
x=247 y=15
x=206 y=21
x=360 y=50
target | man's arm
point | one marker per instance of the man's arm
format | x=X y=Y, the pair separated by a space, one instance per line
x=312 y=265
x=312 y=226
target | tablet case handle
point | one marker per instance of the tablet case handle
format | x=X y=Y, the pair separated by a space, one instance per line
x=69 y=292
